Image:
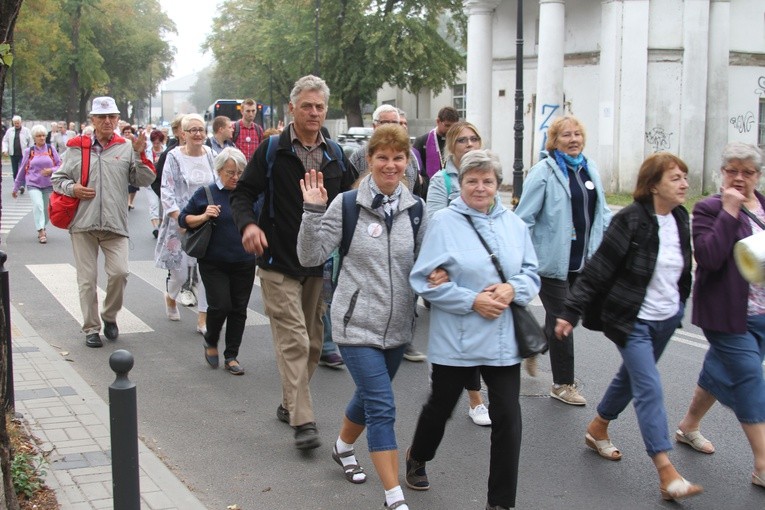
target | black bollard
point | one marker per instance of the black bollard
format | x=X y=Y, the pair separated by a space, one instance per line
x=5 y=294
x=123 y=419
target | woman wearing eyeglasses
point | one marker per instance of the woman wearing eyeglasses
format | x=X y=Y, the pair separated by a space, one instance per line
x=186 y=168
x=564 y=205
x=730 y=310
x=444 y=187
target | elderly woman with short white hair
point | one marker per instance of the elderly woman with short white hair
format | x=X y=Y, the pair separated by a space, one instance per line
x=37 y=165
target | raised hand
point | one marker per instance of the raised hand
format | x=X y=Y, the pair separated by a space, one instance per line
x=312 y=186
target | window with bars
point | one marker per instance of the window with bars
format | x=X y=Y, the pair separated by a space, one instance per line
x=458 y=99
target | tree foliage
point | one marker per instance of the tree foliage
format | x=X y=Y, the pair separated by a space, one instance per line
x=67 y=51
x=362 y=45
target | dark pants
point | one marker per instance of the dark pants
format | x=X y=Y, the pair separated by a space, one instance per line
x=228 y=287
x=15 y=162
x=504 y=384
x=553 y=293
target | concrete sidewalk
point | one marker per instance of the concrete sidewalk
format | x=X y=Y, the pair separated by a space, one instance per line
x=72 y=423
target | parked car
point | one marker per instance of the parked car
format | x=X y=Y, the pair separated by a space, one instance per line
x=355 y=135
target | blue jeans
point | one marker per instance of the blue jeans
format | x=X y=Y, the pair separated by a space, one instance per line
x=638 y=379
x=732 y=370
x=372 y=403
x=328 y=347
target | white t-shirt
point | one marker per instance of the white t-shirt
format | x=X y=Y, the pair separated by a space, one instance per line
x=662 y=297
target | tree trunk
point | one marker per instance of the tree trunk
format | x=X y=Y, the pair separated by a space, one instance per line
x=8 y=496
x=352 y=108
x=74 y=77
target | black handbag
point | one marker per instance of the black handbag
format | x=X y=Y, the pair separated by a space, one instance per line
x=529 y=335
x=195 y=242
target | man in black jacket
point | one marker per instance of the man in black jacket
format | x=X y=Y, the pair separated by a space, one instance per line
x=291 y=292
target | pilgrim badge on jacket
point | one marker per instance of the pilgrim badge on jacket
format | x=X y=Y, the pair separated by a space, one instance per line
x=589 y=185
x=375 y=230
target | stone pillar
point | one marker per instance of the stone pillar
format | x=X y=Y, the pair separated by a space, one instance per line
x=718 y=111
x=633 y=93
x=693 y=95
x=478 y=94
x=608 y=106
x=549 y=103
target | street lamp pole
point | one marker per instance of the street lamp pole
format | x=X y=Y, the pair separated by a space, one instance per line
x=518 y=127
x=316 y=40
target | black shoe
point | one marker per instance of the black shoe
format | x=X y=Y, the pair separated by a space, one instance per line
x=307 y=437
x=233 y=366
x=416 y=476
x=111 y=331
x=282 y=414
x=21 y=192
x=93 y=340
x=155 y=233
x=211 y=359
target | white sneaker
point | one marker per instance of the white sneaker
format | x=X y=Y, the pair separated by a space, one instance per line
x=480 y=415
x=187 y=298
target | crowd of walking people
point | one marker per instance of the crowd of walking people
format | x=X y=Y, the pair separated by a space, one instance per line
x=395 y=222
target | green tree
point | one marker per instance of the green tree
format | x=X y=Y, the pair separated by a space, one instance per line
x=362 y=45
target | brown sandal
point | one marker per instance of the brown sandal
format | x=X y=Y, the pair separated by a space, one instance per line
x=350 y=470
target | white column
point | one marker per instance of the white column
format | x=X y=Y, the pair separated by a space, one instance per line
x=608 y=111
x=549 y=102
x=480 y=56
x=693 y=96
x=717 y=91
x=632 y=92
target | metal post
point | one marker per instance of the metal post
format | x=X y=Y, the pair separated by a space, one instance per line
x=316 y=40
x=123 y=419
x=518 y=163
x=5 y=293
x=271 y=92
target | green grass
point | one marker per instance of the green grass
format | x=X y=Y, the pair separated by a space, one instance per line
x=622 y=199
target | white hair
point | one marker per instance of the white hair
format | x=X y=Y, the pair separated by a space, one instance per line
x=385 y=108
x=309 y=82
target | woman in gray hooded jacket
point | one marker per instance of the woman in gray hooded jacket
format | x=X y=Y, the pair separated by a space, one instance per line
x=373 y=306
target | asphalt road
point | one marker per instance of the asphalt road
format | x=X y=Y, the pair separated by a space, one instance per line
x=220 y=435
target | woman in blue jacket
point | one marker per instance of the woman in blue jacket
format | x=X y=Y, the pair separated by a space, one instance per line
x=471 y=324
x=565 y=208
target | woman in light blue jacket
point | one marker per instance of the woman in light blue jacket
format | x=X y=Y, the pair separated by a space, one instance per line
x=565 y=208
x=471 y=324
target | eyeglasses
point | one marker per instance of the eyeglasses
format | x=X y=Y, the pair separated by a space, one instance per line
x=381 y=122
x=112 y=116
x=732 y=172
x=231 y=173
x=466 y=139
x=195 y=131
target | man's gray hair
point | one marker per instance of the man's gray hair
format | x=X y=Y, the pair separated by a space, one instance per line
x=38 y=129
x=481 y=159
x=384 y=108
x=16 y=118
x=230 y=153
x=743 y=152
x=309 y=82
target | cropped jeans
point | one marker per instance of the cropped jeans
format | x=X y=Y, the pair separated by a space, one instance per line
x=372 y=403
x=732 y=370
x=638 y=380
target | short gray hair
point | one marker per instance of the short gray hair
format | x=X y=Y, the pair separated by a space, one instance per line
x=385 y=108
x=309 y=82
x=743 y=152
x=230 y=153
x=481 y=159
x=188 y=118
x=38 y=129
x=16 y=118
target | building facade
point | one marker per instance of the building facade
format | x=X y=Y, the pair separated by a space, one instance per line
x=686 y=76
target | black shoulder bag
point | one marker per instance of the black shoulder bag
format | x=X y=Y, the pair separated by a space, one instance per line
x=195 y=242
x=529 y=335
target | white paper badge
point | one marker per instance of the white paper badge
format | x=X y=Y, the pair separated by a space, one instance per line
x=375 y=230
x=589 y=185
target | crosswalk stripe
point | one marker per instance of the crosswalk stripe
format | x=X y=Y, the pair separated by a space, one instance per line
x=61 y=282
x=14 y=210
x=148 y=272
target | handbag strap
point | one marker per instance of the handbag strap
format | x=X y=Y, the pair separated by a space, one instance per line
x=492 y=255
x=210 y=200
x=753 y=216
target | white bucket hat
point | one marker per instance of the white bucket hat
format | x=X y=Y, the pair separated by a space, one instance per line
x=104 y=105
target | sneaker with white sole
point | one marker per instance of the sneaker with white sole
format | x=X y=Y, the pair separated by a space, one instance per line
x=568 y=394
x=412 y=354
x=480 y=415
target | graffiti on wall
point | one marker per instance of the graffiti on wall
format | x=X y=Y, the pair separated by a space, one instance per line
x=760 y=90
x=743 y=123
x=547 y=112
x=659 y=139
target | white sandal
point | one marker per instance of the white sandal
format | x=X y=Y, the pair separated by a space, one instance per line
x=695 y=440
x=679 y=489
x=604 y=447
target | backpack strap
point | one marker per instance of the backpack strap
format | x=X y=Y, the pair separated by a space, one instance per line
x=350 y=217
x=237 y=129
x=85 y=144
